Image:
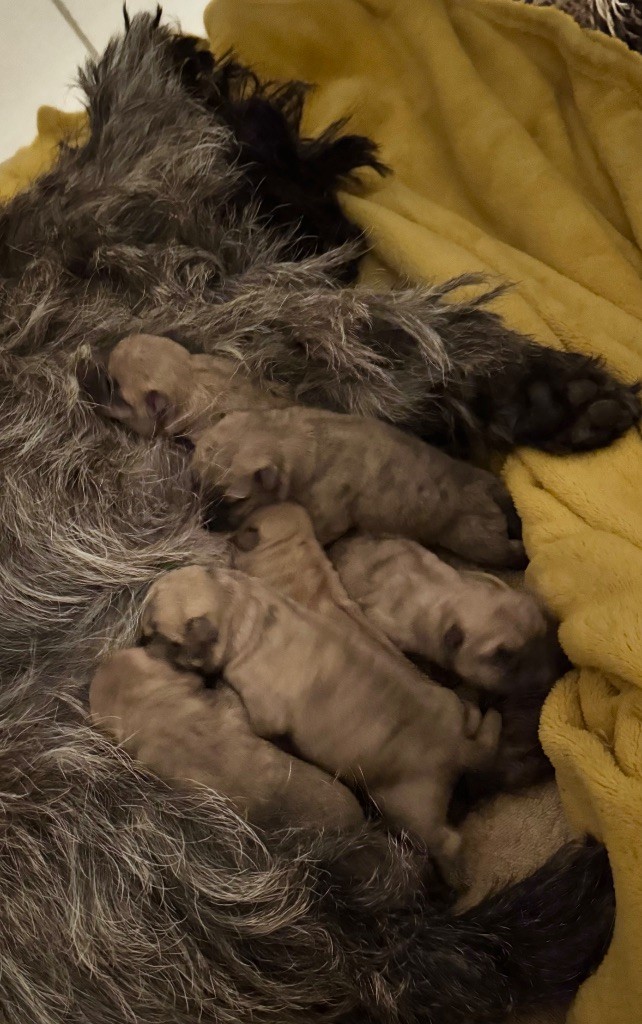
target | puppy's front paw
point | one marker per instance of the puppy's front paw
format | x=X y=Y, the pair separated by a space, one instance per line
x=486 y=535
x=182 y=610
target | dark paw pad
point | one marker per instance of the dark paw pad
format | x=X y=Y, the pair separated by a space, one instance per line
x=562 y=402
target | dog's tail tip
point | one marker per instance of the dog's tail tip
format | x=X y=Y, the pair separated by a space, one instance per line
x=529 y=945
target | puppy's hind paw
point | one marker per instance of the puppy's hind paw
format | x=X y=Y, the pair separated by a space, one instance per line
x=482 y=749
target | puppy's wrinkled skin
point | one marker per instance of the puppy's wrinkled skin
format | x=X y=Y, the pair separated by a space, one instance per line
x=344 y=702
x=155 y=386
x=490 y=635
x=350 y=472
x=185 y=733
x=277 y=545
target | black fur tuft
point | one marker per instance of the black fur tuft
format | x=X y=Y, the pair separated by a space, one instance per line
x=293 y=179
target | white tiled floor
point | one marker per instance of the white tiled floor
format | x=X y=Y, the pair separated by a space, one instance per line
x=40 y=50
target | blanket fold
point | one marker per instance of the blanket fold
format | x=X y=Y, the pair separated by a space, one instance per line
x=515 y=139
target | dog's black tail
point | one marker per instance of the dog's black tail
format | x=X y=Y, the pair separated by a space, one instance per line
x=529 y=945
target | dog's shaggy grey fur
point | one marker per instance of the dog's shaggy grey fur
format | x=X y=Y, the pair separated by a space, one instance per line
x=120 y=900
x=619 y=18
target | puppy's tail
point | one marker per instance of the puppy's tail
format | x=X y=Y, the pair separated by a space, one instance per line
x=529 y=945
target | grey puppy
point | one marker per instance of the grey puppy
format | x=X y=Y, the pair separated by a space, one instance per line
x=277 y=545
x=471 y=623
x=166 y=718
x=344 y=701
x=352 y=472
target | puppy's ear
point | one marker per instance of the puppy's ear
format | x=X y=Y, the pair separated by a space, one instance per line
x=265 y=478
x=268 y=477
x=247 y=538
x=158 y=405
x=246 y=480
x=240 y=488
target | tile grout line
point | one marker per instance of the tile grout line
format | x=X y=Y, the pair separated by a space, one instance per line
x=75 y=27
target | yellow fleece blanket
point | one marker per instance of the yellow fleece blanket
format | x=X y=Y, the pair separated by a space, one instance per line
x=516 y=140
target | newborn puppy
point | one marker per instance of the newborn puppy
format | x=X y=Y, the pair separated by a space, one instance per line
x=350 y=472
x=155 y=386
x=490 y=635
x=345 y=702
x=277 y=545
x=188 y=734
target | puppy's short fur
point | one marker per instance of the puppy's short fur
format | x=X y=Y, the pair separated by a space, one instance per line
x=344 y=702
x=185 y=733
x=277 y=544
x=351 y=472
x=473 y=624
x=155 y=386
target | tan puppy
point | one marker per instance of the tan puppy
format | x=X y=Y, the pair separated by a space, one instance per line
x=350 y=472
x=490 y=635
x=277 y=545
x=188 y=734
x=345 y=702
x=158 y=387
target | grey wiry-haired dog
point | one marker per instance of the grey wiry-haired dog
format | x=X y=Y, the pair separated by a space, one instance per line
x=194 y=207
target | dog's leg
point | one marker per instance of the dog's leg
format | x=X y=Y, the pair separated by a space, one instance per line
x=505 y=389
x=446 y=370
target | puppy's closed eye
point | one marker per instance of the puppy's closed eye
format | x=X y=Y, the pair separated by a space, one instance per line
x=241 y=487
x=268 y=477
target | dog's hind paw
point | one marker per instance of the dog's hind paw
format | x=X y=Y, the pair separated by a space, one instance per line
x=561 y=402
